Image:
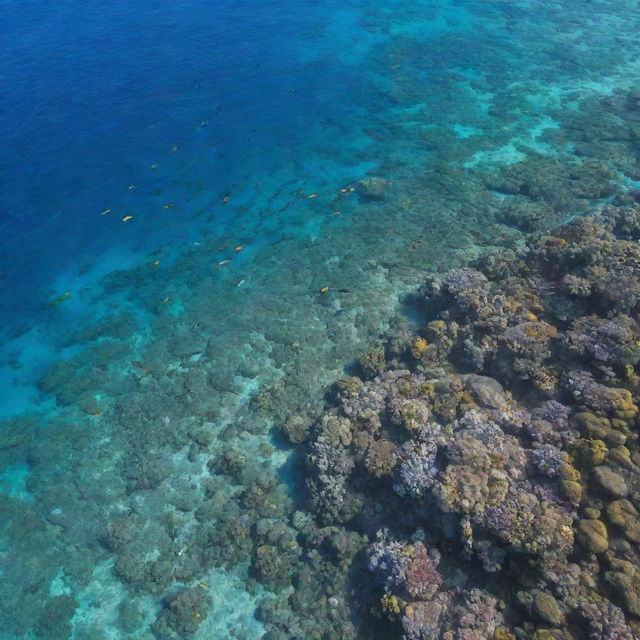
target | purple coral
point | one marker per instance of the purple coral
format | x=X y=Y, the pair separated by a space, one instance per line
x=476 y=616
x=400 y=392
x=331 y=464
x=422 y=620
x=584 y=389
x=553 y=412
x=462 y=291
x=609 y=341
x=417 y=470
x=549 y=424
x=418 y=467
x=548 y=459
x=408 y=569
x=530 y=524
x=605 y=621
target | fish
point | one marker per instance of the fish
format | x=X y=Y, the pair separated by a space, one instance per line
x=127 y=218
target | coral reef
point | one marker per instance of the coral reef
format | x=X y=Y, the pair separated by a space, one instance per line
x=182 y=614
x=495 y=460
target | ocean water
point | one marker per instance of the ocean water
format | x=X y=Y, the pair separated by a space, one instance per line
x=181 y=182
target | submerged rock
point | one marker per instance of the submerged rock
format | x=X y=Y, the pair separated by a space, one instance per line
x=546 y=606
x=624 y=515
x=488 y=391
x=592 y=534
x=610 y=482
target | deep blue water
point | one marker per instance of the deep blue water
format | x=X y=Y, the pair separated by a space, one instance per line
x=96 y=95
x=129 y=109
x=179 y=181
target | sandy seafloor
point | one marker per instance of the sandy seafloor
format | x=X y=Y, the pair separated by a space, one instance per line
x=265 y=150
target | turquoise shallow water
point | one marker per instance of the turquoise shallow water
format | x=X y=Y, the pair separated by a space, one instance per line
x=180 y=181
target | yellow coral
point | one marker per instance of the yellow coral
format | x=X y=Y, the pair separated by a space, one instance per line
x=437 y=325
x=418 y=347
x=591 y=452
x=512 y=304
x=428 y=388
x=539 y=330
x=567 y=472
x=390 y=604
